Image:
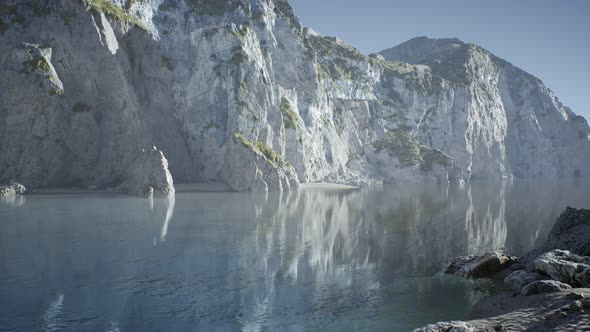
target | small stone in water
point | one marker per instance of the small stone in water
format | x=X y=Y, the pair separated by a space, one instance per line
x=576 y=306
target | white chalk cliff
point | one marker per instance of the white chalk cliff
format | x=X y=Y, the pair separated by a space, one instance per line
x=238 y=91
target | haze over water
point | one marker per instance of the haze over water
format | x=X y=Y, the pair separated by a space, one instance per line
x=312 y=260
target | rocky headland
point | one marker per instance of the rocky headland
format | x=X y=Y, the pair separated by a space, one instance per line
x=547 y=289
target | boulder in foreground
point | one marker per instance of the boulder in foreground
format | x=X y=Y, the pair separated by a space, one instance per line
x=547 y=305
x=544 y=286
x=517 y=280
x=564 y=266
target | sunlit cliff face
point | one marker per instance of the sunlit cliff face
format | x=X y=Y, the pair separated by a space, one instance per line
x=83 y=88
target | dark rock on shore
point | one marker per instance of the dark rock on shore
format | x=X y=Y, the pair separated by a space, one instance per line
x=544 y=286
x=543 y=280
x=571 y=232
x=517 y=280
x=479 y=266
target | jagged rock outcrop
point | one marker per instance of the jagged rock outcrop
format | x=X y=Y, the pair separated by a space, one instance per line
x=557 y=279
x=479 y=266
x=149 y=176
x=564 y=266
x=513 y=124
x=7 y=191
x=18 y=188
x=571 y=232
x=86 y=82
x=13 y=189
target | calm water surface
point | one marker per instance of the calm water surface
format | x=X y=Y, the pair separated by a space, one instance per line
x=313 y=260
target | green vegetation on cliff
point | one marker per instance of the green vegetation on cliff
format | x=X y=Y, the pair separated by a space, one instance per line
x=431 y=157
x=260 y=148
x=340 y=61
x=113 y=11
x=401 y=144
x=284 y=9
x=290 y=119
x=38 y=63
x=334 y=48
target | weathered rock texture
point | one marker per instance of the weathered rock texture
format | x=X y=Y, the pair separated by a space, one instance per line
x=86 y=82
x=149 y=176
x=517 y=280
x=479 y=266
x=510 y=123
x=571 y=232
x=456 y=326
x=19 y=189
x=13 y=189
x=7 y=191
x=545 y=279
x=563 y=266
x=261 y=169
x=544 y=286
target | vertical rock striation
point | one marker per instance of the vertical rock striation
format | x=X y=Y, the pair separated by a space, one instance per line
x=85 y=82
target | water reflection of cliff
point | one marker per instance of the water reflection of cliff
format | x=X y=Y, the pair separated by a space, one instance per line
x=376 y=234
x=414 y=228
x=308 y=260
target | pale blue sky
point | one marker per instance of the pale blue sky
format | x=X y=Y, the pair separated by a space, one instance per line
x=548 y=38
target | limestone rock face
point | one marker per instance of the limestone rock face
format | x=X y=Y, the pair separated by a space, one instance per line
x=479 y=266
x=7 y=191
x=544 y=286
x=564 y=266
x=13 y=189
x=512 y=124
x=254 y=166
x=18 y=188
x=82 y=88
x=150 y=176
